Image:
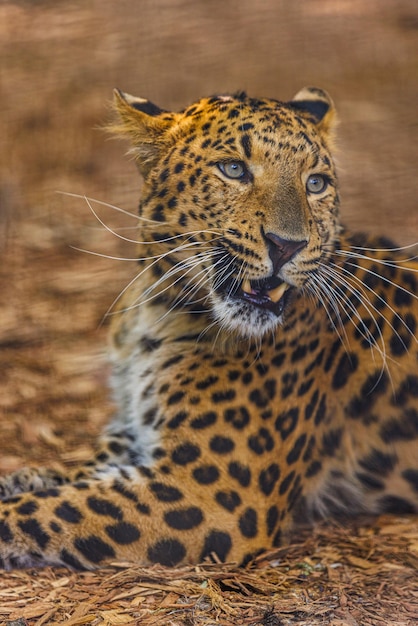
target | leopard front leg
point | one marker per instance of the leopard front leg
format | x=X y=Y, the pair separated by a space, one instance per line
x=30 y=479
x=112 y=451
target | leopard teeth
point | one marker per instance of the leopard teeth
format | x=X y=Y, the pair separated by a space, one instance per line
x=246 y=286
x=277 y=293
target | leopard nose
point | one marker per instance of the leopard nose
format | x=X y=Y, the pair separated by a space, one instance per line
x=282 y=250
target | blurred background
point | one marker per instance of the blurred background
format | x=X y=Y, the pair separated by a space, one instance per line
x=59 y=61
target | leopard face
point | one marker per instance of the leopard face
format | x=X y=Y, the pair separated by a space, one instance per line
x=264 y=359
x=252 y=185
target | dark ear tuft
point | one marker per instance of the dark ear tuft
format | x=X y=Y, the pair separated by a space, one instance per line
x=317 y=104
x=146 y=125
x=140 y=104
x=317 y=108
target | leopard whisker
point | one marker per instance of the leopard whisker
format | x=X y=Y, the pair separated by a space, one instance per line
x=155 y=260
x=379 y=297
x=320 y=288
x=363 y=330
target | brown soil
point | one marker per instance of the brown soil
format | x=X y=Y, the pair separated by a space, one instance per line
x=58 y=64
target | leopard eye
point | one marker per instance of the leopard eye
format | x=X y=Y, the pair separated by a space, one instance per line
x=234 y=169
x=316 y=183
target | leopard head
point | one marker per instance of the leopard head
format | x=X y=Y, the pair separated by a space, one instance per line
x=240 y=201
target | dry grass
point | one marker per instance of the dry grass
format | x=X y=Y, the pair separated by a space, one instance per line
x=59 y=63
x=364 y=576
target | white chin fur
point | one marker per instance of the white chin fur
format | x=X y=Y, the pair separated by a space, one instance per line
x=244 y=319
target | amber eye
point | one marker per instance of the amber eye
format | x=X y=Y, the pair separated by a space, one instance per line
x=316 y=183
x=233 y=169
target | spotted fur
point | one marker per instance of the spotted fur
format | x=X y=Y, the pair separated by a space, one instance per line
x=264 y=359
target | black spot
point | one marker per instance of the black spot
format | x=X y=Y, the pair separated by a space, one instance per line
x=289 y=380
x=184 y=519
x=296 y=451
x=347 y=365
x=321 y=411
x=331 y=441
x=369 y=482
x=315 y=363
x=299 y=353
x=204 y=420
x=52 y=492
x=286 y=482
x=309 y=409
x=277 y=539
x=145 y=471
x=313 y=469
x=223 y=396
x=272 y=518
x=172 y=361
x=116 y=448
x=177 y=420
x=123 y=533
x=168 y=552
x=175 y=398
x=185 y=453
x=206 y=474
x=102 y=457
x=279 y=359
x=233 y=375
x=33 y=529
x=216 y=542
x=305 y=386
x=262 y=397
x=166 y=493
x=395 y=505
x=149 y=344
x=246 y=144
x=402 y=429
x=403 y=333
x=379 y=462
x=143 y=508
x=104 y=507
x=94 y=549
x=294 y=493
x=179 y=167
x=307 y=455
x=233 y=113
x=68 y=513
x=6 y=534
x=408 y=388
x=241 y=473
x=335 y=348
x=27 y=508
x=56 y=528
x=268 y=478
x=247 y=378
x=362 y=404
x=229 y=500
x=248 y=523
x=80 y=485
x=286 y=422
x=411 y=475
x=221 y=445
x=262 y=442
x=237 y=417
x=207 y=382
x=70 y=560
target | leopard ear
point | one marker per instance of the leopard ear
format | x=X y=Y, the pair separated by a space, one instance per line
x=318 y=105
x=147 y=127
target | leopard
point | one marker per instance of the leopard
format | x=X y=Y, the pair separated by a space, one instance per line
x=264 y=357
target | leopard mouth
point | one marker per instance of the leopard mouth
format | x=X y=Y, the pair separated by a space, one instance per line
x=269 y=294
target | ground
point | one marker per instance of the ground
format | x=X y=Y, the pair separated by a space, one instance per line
x=60 y=61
